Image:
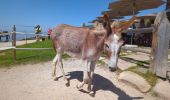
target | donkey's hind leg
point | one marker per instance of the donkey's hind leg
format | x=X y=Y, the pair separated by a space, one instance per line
x=60 y=64
x=54 y=62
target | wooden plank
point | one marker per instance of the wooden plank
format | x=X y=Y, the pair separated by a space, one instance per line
x=33 y=48
x=160 y=42
x=7 y=48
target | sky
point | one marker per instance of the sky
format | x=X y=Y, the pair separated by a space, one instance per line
x=50 y=13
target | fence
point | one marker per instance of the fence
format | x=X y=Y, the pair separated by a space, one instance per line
x=160 y=45
x=14 y=43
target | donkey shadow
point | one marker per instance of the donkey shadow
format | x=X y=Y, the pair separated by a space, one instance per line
x=101 y=83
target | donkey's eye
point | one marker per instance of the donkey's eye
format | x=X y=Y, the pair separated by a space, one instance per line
x=106 y=45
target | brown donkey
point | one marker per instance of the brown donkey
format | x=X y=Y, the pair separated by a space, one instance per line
x=87 y=44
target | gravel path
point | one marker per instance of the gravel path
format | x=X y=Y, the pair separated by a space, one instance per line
x=34 y=82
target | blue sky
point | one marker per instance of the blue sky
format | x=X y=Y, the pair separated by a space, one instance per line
x=49 y=13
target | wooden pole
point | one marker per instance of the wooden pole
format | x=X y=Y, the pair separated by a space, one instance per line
x=160 y=46
x=25 y=38
x=14 y=41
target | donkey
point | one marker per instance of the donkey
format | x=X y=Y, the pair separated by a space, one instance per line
x=87 y=44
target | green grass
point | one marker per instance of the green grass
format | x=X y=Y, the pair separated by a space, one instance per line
x=148 y=76
x=100 y=62
x=28 y=56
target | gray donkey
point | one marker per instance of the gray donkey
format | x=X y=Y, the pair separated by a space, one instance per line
x=87 y=44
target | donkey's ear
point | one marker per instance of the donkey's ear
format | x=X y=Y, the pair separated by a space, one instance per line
x=105 y=19
x=127 y=24
x=106 y=24
x=106 y=16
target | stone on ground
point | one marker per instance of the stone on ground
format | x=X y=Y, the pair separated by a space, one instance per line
x=163 y=89
x=123 y=65
x=139 y=56
x=135 y=80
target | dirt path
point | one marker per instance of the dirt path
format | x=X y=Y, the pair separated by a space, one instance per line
x=8 y=44
x=33 y=82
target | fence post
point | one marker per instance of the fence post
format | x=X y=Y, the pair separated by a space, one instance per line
x=25 y=37
x=160 y=45
x=14 y=41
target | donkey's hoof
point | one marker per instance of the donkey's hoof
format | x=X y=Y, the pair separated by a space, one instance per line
x=88 y=90
x=55 y=78
x=79 y=87
x=91 y=93
x=112 y=69
x=67 y=83
x=53 y=74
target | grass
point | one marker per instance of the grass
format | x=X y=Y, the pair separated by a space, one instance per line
x=23 y=57
x=100 y=62
x=148 y=76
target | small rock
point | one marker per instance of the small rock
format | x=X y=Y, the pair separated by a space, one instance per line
x=163 y=89
x=139 y=56
x=135 y=80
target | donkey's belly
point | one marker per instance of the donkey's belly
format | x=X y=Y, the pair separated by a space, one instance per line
x=72 y=48
x=71 y=41
x=73 y=54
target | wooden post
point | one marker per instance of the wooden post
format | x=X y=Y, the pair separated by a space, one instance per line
x=14 y=41
x=160 y=46
x=25 y=38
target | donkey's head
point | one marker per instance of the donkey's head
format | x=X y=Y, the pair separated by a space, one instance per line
x=113 y=40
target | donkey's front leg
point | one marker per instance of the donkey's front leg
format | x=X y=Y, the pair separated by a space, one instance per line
x=85 y=75
x=90 y=75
